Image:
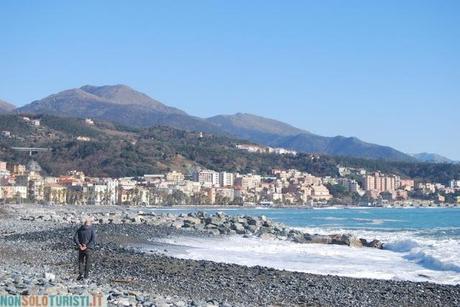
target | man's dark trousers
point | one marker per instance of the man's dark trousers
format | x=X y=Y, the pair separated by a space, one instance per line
x=83 y=262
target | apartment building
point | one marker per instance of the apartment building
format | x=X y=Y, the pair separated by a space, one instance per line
x=381 y=183
x=226 y=179
x=208 y=177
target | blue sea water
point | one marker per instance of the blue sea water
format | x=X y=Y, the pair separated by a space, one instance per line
x=442 y=222
x=421 y=244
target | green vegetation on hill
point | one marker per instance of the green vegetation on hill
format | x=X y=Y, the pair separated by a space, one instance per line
x=434 y=172
x=118 y=151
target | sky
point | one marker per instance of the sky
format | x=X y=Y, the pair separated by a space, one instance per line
x=387 y=72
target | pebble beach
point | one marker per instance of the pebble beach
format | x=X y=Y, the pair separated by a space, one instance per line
x=38 y=257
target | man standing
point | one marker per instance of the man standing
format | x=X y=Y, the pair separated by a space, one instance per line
x=84 y=238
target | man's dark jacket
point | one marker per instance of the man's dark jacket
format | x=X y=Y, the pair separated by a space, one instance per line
x=85 y=235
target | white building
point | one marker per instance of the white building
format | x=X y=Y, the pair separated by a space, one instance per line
x=2 y=166
x=249 y=181
x=226 y=179
x=283 y=151
x=35 y=122
x=208 y=177
x=320 y=192
x=104 y=192
x=175 y=176
x=20 y=191
x=252 y=148
x=455 y=184
x=83 y=138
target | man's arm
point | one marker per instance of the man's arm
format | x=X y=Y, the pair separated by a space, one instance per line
x=92 y=239
x=75 y=238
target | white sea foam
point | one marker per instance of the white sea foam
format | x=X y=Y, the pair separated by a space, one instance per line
x=417 y=248
x=402 y=245
x=437 y=254
x=330 y=218
x=360 y=219
x=402 y=259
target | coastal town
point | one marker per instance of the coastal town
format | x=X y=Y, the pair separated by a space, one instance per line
x=202 y=187
x=229 y=153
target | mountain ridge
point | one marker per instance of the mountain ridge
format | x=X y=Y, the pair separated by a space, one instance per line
x=124 y=105
x=117 y=103
x=6 y=107
x=255 y=122
x=302 y=140
x=125 y=95
x=432 y=158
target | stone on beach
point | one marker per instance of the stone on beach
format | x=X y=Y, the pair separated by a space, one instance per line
x=50 y=277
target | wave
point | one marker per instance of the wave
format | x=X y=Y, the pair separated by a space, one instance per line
x=212 y=210
x=404 y=259
x=431 y=254
x=431 y=262
x=330 y=218
x=374 y=221
x=435 y=249
x=329 y=208
x=401 y=246
x=359 y=220
x=420 y=248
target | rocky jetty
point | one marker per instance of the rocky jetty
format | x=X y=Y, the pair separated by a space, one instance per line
x=215 y=224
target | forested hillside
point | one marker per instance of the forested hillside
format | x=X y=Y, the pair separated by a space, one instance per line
x=107 y=149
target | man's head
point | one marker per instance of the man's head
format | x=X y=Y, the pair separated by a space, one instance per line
x=87 y=221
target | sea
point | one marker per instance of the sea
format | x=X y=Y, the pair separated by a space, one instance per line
x=420 y=244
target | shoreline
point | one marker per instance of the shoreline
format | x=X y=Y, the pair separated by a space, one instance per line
x=182 y=282
x=289 y=207
x=261 y=207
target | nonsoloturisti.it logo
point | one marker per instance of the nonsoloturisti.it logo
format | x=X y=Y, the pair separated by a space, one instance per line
x=93 y=300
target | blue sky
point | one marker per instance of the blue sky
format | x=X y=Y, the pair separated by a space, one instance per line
x=387 y=72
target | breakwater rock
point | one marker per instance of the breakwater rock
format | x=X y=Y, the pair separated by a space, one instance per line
x=215 y=224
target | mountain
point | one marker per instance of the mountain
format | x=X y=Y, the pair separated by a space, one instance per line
x=278 y=134
x=249 y=123
x=255 y=128
x=124 y=105
x=124 y=95
x=432 y=158
x=118 y=103
x=6 y=107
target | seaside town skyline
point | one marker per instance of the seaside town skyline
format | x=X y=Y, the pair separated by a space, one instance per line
x=21 y=183
x=351 y=186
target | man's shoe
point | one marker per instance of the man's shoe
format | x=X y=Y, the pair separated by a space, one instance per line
x=80 y=277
